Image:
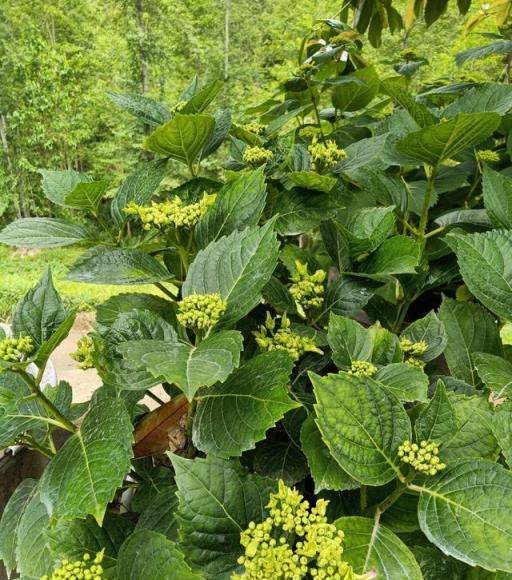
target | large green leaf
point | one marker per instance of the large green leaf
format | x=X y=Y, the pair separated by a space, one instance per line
x=312 y=180
x=237 y=267
x=238 y=204
x=361 y=153
x=279 y=457
x=498 y=197
x=217 y=501
x=10 y=521
x=138 y=187
x=107 y=312
x=466 y=511
x=495 y=372
x=189 y=367
x=119 y=266
x=40 y=313
x=202 y=98
x=370 y=546
x=367 y=228
x=476 y=52
x=44 y=233
x=87 y=195
x=396 y=88
x=147 y=555
x=352 y=96
x=300 y=210
x=33 y=553
x=183 y=137
x=58 y=184
x=407 y=383
x=143 y=108
x=86 y=472
x=346 y=296
x=396 y=255
x=233 y=416
x=325 y=470
x=437 y=421
x=502 y=428
x=159 y=514
x=487 y=98
x=349 y=341
x=469 y=329
x=447 y=139
x=430 y=330
x=346 y=409
x=485 y=262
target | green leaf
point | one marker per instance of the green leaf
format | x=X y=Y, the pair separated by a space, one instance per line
x=495 y=372
x=86 y=195
x=70 y=540
x=32 y=546
x=301 y=210
x=202 y=98
x=502 y=429
x=10 y=521
x=325 y=471
x=407 y=383
x=487 y=98
x=183 y=137
x=86 y=472
x=237 y=267
x=386 y=346
x=370 y=546
x=58 y=184
x=349 y=341
x=143 y=108
x=361 y=153
x=147 y=555
x=238 y=204
x=233 y=416
x=477 y=52
x=280 y=458
x=119 y=266
x=311 y=180
x=189 y=367
x=366 y=229
x=437 y=421
x=472 y=217
x=108 y=311
x=466 y=511
x=469 y=329
x=217 y=500
x=396 y=255
x=220 y=132
x=498 y=197
x=44 y=233
x=60 y=334
x=346 y=296
x=485 y=265
x=346 y=409
x=336 y=245
x=474 y=437
x=40 y=313
x=447 y=139
x=431 y=330
x=159 y=514
x=356 y=95
x=396 y=88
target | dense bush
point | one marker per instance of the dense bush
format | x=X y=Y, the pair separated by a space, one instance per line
x=333 y=316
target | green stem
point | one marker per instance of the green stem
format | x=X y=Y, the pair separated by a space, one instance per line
x=315 y=108
x=46 y=403
x=393 y=497
x=190 y=423
x=163 y=289
x=28 y=441
x=422 y=228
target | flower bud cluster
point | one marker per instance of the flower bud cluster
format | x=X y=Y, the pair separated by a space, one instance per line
x=16 y=349
x=327 y=152
x=84 y=569
x=413 y=350
x=361 y=368
x=84 y=352
x=269 y=339
x=254 y=127
x=423 y=457
x=295 y=541
x=172 y=212
x=488 y=156
x=201 y=311
x=307 y=289
x=415 y=362
x=179 y=106
x=256 y=155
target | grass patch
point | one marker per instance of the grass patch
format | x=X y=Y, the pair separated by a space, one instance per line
x=20 y=271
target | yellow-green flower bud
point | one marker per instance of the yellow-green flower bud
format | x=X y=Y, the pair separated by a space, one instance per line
x=361 y=368
x=81 y=569
x=84 y=352
x=487 y=156
x=16 y=349
x=307 y=289
x=413 y=348
x=254 y=127
x=179 y=106
x=269 y=339
x=423 y=457
x=201 y=311
x=326 y=153
x=172 y=212
x=415 y=362
x=256 y=155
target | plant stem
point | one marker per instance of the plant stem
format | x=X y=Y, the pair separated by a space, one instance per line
x=315 y=108
x=163 y=289
x=28 y=441
x=422 y=228
x=190 y=423
x=46 y=403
